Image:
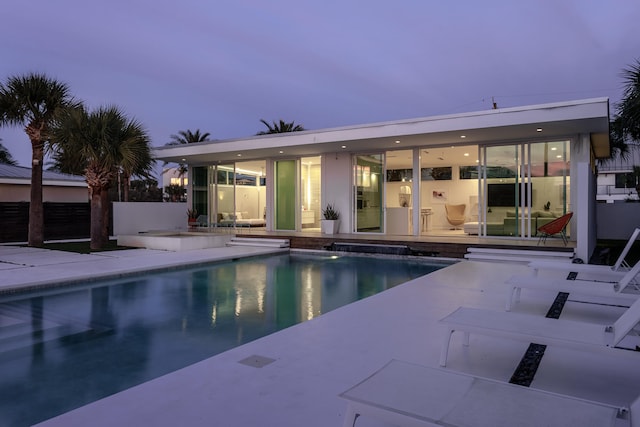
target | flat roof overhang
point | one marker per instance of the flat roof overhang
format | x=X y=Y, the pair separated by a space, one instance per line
x=557 y=120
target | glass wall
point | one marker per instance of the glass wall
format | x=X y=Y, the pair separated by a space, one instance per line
x=506 y=199
x=368 y=192
x=310 y=192
x=448 y=176
x=524 y=186
x=199 y=189
x=398 y=192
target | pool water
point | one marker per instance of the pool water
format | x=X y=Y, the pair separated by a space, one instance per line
x=63 y=348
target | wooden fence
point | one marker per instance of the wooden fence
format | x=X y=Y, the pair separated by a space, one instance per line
x=61 y=221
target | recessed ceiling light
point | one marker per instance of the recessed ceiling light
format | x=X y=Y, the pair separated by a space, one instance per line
x=397 y=142
x=559 y=156
x=466 y=154
x=239 y=155
x=463 y=136
x=280 y=151
x=539 y=130
x=184 y=160
x=554 y=148
x=344 y=146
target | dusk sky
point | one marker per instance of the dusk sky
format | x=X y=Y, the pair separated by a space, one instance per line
x=221 y=66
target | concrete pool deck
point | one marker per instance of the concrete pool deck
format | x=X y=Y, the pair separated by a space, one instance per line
x=315 y=361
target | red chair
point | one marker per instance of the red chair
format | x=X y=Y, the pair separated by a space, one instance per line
x=557 y=226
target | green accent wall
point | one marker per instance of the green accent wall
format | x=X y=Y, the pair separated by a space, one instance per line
x=285 y=193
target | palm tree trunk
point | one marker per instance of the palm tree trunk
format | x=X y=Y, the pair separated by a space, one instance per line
x=127 y=181
x=36 y=210
x=96 y=218
x=105 y=215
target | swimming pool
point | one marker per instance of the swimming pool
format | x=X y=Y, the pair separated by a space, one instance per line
x=66 y=347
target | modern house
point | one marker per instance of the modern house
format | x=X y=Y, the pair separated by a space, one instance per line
x=513 y=169
x=619 y=178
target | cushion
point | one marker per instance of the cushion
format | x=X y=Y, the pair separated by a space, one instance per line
x=546 y=214
x=511 y=214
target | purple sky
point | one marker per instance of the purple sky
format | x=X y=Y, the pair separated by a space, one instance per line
x=220 y=66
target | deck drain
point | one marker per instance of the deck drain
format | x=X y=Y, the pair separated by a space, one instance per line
x=257 y=361
x=530 y=362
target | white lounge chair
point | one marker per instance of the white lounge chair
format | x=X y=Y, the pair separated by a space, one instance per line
x=538 y=329
x=407 y=394
x=562 y=265
x=613 y=288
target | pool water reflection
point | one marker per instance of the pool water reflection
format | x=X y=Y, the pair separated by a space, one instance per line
x=61 y=349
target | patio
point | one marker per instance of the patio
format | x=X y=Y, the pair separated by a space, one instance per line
x=315 y=361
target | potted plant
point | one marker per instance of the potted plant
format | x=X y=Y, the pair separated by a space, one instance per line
x=331 y=222
x=192 y=215
x=547 y=206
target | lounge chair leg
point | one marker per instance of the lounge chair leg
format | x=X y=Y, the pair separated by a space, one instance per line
x=350 y=417
x=444 y=352
x=510 y=299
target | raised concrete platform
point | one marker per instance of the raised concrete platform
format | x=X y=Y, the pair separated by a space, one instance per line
x=172 y=241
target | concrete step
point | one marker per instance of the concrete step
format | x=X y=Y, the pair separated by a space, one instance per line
x=516 y=255
x=522 y=252
x=268 y=243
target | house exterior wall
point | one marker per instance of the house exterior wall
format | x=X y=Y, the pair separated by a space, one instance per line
x=50 y=193
x=582 y=198
x=136 y=217
x=337 y=187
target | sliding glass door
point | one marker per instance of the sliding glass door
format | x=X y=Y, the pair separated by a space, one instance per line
x=522 y=187
x=368 y=192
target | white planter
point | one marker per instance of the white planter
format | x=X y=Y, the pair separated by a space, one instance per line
x=329 y=226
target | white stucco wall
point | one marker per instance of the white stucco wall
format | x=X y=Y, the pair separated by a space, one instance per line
x=337 y=187
x=136 y=217
x=582 y=197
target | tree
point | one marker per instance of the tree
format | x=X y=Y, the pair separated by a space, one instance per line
x=175 y=193
x=625 y=127
x=5 y=156
x=281 y=127
x=33 y=101
x=103 y=142
x=187 y=137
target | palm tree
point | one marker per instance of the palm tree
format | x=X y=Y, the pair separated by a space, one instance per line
x=629 y=109
x=32 y=101
x=5 y=156
x=281 y=127
x=103 y=142
x=625 y=127
x=187 y=137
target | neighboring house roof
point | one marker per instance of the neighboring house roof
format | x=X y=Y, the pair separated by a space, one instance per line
x=587 y=116
x=20 y=175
